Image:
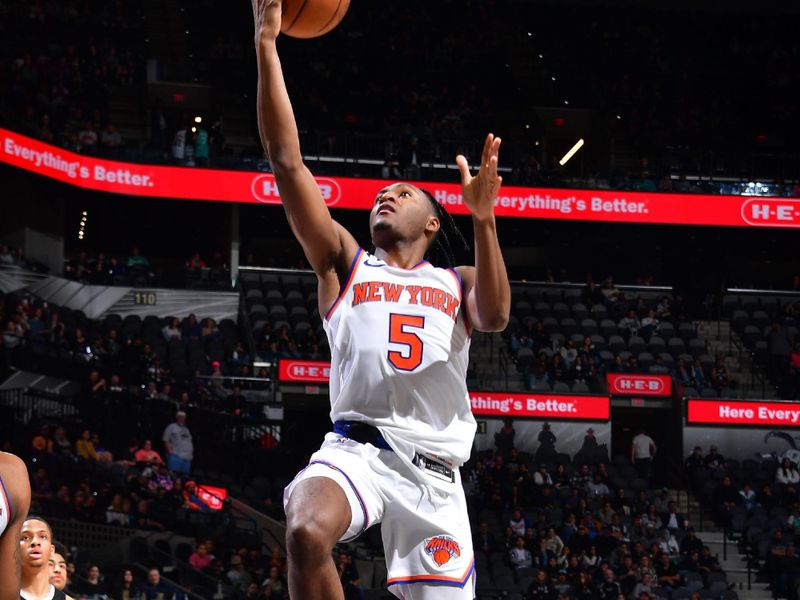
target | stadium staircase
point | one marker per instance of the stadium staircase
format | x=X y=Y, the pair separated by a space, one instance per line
x=727 y=551
x=722 y=340
x=126 y=114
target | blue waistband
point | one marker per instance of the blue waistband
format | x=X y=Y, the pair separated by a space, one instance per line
x=361 y=432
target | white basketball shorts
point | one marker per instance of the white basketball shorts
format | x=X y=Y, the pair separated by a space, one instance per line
x=426 y=533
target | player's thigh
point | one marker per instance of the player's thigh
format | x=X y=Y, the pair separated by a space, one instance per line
x=321 y=505
x=346 y=465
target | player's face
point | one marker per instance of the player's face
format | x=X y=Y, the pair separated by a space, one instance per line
x=401 y=212
x=58 y=571
x=35 y=544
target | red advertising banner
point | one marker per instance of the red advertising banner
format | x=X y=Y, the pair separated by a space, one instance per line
x=549 y=406
x=540 y=406
x=738 y=412
x=304 y=371
x=625 y=384
x=210 y=497
x=342 y=192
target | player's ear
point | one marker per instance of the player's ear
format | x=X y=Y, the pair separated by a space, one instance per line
x=433 y=225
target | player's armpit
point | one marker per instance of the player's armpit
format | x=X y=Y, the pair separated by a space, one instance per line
x=332 y=278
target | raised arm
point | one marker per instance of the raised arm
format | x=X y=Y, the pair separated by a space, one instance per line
x=486 y=288
x=329 y=247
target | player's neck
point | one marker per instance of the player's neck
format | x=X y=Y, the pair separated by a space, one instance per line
x=36 y=582
x=401 y=255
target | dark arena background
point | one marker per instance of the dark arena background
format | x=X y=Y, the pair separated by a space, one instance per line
x=648 y=218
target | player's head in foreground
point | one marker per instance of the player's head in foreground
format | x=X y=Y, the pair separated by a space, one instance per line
x=36 y=545
x=405 y=215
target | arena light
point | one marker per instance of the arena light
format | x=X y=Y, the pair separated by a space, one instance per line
x=578 y=145
x=82 y=224
x=198 y=119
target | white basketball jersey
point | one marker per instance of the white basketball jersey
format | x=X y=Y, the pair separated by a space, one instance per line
x=5 y=508
x=400 y=349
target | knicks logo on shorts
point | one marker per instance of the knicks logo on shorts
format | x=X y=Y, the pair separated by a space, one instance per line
x=442 y=548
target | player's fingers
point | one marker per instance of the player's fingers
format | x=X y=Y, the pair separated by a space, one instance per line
x=463 y=167
x=492 y=167
x=487 y=147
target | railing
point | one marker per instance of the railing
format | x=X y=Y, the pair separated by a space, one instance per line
x=90 y=536
x=272 y=530
x=30 y=406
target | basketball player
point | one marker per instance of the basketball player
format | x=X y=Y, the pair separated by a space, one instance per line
x=36 y=546
x=399 y=332
x=15 y=499
x=57 y=564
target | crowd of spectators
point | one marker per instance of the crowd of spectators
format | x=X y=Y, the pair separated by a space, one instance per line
x=582 y=530
x=758 y=504
x=12 y=256
x=104 y=268
x=551 y=357
x=672 y=114
x=135 y=268
x=58 y=61
x=187 y=361
x=147 y=487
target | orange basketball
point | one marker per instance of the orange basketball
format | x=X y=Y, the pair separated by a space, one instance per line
x=312 y=18
x=441 y=556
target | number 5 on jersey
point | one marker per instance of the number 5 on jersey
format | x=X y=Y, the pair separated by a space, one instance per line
x=399 y=326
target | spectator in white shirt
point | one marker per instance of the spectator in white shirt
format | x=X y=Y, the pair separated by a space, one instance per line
x=668 y=544
x=749 y=497
x=517 y=523
x=649 y=325
x=519 y=556
x=178 y=442
x=643 y=449
x=171 y=330
x=630 y=324
x=87 y=139
x=787 y=474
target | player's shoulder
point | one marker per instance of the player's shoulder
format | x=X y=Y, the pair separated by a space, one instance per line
x=12 y=465
x=15 y=482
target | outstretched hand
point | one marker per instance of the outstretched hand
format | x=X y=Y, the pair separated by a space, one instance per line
x=479 y=192
x=267 y=19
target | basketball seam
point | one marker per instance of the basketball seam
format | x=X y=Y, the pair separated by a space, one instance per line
x=333 y=17
x=297 y=16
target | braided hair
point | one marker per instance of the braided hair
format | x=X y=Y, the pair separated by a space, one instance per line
x=442 y=251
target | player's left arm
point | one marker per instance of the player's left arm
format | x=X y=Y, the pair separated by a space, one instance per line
x=485 y=287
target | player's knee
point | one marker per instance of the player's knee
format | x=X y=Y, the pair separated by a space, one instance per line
x=307 y=537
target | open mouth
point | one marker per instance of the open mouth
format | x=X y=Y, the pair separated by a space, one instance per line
x=385 y=209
